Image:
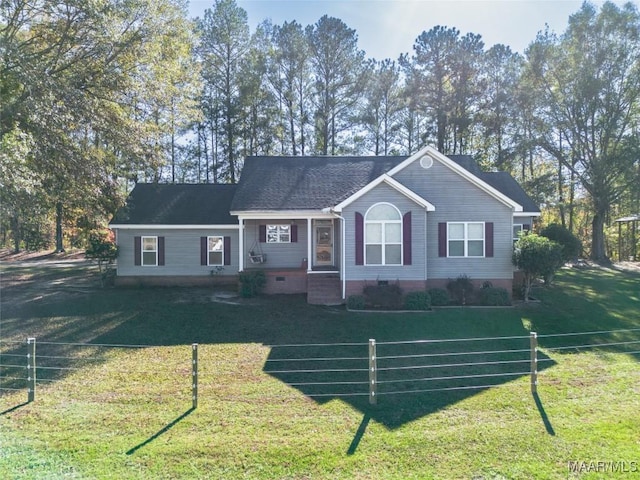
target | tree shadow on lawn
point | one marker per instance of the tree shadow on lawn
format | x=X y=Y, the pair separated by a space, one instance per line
x=410 y=376
x=589 y=300
x=413 y=379
x=160 y=317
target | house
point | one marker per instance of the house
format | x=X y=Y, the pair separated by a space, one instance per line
x=327 y=226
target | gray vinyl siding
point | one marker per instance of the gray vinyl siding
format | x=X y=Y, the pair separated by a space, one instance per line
x=458 y=200
x=279 y=255
x=181 y=252
x=415 y=271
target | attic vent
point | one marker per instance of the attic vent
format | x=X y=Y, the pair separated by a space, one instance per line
x=426 y=161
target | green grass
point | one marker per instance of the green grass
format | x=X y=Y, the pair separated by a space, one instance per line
x=126 y=413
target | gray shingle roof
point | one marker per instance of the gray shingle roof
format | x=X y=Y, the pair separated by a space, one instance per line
x=178 y=204
x=501 y=181
x=506 y=184
x=314 y=183
x=467 y=162
x=305 y=183
x=279 y=183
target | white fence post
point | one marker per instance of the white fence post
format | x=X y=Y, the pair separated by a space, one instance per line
x=534 y=362
x=373 y=373
x=31 y=369
x=194 y=375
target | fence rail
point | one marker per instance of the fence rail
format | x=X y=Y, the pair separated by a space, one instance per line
x=374 y=369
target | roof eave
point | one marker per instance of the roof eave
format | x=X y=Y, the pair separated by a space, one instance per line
x=280 y=214
x=161 y=226
x=528 y=214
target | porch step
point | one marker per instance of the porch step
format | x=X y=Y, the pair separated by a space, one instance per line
x=324 y=289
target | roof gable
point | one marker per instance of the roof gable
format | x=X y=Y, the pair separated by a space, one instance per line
x=467 y=173
x=384 y=178
x=177 y=204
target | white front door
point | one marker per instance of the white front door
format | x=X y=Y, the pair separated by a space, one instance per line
x=323 y=243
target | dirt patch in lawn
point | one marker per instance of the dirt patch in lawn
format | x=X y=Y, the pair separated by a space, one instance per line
x=8 y=255
x=628 y=266
x=35 y=278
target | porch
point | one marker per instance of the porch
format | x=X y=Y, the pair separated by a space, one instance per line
x=310 y=243
x=297 y=255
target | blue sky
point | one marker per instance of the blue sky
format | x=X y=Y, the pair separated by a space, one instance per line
x=387 y=28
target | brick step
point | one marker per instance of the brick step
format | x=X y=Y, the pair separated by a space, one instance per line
x=324 y=290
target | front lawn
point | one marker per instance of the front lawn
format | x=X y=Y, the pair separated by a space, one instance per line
x=112 y=412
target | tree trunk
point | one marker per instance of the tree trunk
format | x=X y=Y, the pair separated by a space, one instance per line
x=15 y=228
x=302 y=118
x=441 y=132
x=597 y=238
x=563 y=220
x=572 y=195
x=205 y=152
x=333 y=134
x=214 y=147
x=232 y=161
x=528 y=280
x=292 y=131
x=59 y=244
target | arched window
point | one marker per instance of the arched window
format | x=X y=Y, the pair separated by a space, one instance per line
x=383 y=235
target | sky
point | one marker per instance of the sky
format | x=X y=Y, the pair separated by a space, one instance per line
x=388 y=28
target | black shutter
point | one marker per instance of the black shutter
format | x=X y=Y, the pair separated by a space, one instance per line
x=160 y=251
x=137 y=251
x=204 y=250
x=488 y=239
x=227 y=250
x=359 y=239
x=442 y=239
x=406 y=238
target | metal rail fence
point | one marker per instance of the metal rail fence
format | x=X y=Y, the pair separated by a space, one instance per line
x=373 y=369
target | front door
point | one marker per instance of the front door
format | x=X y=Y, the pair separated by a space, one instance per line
x=324 y=243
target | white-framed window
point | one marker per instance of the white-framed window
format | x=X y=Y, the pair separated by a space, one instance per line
x=517 y=230
x=215 y=250
x=465 y=239
x=149 y=251
x=383 y=235
x=278 y=233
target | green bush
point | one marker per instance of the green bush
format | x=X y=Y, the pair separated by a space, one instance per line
x=536 y=256
x=387 y=296
x=571 y=245
x=439 y=297
x=102 y=248
x=355 y=302
x=494 y=297
x=461 y=289
x=417 y=301
x=252 y=283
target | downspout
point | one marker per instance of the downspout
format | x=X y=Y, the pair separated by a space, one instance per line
x=426 y=253
x=241 y=245
x=309 y=244
x=343 y=261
